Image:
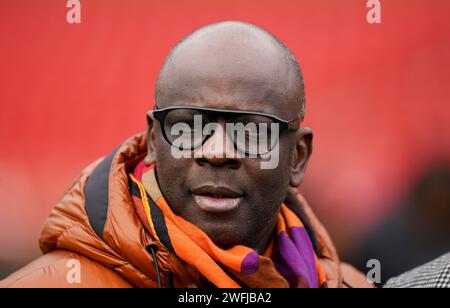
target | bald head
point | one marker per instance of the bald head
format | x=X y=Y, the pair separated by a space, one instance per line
x=232 y=65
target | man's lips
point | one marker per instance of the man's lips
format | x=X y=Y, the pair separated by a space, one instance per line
x=217 y=199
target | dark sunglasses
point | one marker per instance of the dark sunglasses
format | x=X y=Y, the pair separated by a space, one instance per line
x=257 y=136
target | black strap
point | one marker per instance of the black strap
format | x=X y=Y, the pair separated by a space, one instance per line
x=97 y=194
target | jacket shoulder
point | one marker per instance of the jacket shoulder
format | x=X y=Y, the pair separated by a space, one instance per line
x=64 y=269
x=435 y=274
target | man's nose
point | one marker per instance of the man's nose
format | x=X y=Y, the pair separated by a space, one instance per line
x=218 y=149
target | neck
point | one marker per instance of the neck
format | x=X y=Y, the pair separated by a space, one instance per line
x=262 y=243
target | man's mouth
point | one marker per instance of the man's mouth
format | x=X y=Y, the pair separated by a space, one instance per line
x=216 y=199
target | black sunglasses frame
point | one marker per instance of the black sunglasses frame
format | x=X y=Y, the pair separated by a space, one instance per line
x=285 y=125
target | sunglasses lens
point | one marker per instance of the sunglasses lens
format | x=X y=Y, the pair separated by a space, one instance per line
x=255 y=134
x=184 y=128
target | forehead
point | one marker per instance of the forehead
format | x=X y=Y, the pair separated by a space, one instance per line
x=250 y=75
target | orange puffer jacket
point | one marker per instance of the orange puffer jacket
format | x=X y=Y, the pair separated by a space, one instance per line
x=94 y=229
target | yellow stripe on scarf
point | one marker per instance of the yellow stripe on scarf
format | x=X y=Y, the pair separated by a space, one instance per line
x=146 y=205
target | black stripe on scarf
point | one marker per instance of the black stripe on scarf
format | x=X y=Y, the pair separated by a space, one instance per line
x=157 y=217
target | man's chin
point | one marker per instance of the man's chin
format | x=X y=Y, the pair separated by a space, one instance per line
x=224 y=236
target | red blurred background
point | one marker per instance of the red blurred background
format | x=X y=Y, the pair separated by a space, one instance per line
x=69 y=93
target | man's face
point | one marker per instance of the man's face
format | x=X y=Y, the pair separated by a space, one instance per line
x=246 y=79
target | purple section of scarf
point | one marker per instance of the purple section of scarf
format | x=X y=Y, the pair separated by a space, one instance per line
x=250 y=263
x=295 y=259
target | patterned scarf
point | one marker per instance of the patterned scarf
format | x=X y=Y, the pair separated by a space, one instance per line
x=289 y=261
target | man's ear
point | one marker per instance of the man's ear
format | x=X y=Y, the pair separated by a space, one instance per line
x=151 y=154
x=301 y=156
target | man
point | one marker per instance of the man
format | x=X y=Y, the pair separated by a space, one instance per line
x=146 y=216
x=435 y=274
